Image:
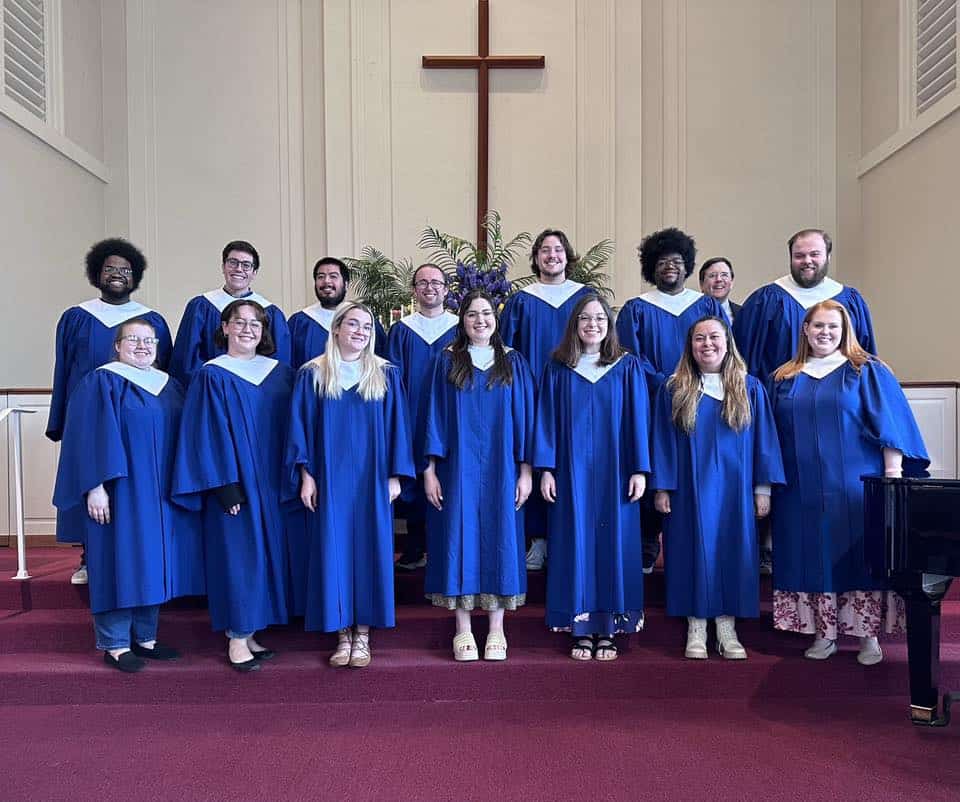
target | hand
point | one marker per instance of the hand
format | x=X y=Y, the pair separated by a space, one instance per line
x=661 y=502
x=234 y=510
x=636 y=486
x=393 y=487
x=761 y=504
x=524 y=486
x=548 y=487
x=98 y=505
x=431 y=486
x=308 y=490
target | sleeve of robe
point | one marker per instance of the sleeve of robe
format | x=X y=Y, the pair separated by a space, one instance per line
x=436 y=426
x=628 y=328
x=862 y=322
x=767 y=460
x=185 y=359
x=304 y=420
x=281 y=336
x=61 y=374
x=92 y=450
x=637 y=419
x=545 y=429
x=165 y=346
x=888 y=419
x=509 y=323
x=206 y=453
x=397 y=427
x=664 y=436
x=751 y=330
x=380 y=344
x=523 y=408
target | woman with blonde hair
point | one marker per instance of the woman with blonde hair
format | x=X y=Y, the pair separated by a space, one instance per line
x=840 y=414
x=347 y=448
x=715 y=456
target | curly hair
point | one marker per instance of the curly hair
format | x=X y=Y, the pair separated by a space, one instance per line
x=661 y=243
x=101 y=251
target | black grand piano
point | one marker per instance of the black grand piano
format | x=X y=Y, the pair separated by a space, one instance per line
x=912 y=537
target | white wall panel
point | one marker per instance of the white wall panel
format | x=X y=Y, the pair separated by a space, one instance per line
x=935 y=409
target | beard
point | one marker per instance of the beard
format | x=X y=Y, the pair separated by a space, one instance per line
x=331 y=303
x=813 y=281
x=115 y=294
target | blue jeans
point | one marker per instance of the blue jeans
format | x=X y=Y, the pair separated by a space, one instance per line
x=238 y=635
x=115 y=628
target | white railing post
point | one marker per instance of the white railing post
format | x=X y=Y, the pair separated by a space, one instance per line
x=15 y=413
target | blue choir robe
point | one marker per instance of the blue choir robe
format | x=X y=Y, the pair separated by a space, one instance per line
x=351 y=447
x=234 y=420
x=710 y=535
x=414 y=342
x=120 y=432
x=592 y=431
x=832 y=431
x=85 y=336
x=478 y=436
x=310 y=328
x=654 y=326
x=194 y=345
x=768 y=327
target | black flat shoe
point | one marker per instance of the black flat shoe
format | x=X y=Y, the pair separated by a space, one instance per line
x=263 y=654
x=158 y=652
x=245 y=667
x=127 y=662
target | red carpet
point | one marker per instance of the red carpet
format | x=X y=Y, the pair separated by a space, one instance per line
x=415 y=725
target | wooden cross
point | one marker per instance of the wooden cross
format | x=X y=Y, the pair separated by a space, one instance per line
x=483 y=63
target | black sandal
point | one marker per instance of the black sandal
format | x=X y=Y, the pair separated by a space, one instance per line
x=606 y=643
x=583 y=643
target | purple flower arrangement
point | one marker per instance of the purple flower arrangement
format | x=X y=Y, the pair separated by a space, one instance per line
x=493 y=280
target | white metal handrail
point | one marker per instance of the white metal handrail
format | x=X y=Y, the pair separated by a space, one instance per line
x=15 y=413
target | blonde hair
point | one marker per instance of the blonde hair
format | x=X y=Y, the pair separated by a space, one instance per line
x=687 y=389
x=849 y=345
x=326 y=367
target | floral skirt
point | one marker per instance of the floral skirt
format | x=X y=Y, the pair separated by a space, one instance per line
x=860 y=613
x=485 y=601
x=599 y=623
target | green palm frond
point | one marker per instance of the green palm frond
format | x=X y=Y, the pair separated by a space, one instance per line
x=381 y=283
x=589 y=268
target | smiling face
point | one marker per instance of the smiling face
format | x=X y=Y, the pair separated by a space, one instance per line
x=717 y=281
x=429 y=290
x=329 y=286
x=552 y=260
x=479 y=322
x=243 y=332
x=669 y=273
x=709 y=345
x=137 y=345
x=238 y=272
x=116 y=279
x=809 y=260
x=824 y=331
x=592 y=325
x=353 y=333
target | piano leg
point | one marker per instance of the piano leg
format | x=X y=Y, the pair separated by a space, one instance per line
x=923 y=650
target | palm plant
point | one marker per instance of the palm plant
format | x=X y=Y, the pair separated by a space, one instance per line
x=381 y=283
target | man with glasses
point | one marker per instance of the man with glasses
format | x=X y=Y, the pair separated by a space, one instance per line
x=654 y=326
x=412 y=345
x=310 y=327
x=85 y=337
x=716 y=280
x=768 y=327
x=533 y=321
x=201 y=319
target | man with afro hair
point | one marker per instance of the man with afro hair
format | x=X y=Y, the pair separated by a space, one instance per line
x=654 y=327
x=85 y=337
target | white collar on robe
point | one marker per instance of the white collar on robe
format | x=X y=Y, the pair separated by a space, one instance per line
x=819 y=366
x=728 y=310
x=554 y=294
x=349 y=374
x=677 y=304
x=111 y=315
x=220 y=298
x=807 y=297
x=153 y=380
x=481 y=355
x=430 y=329
x=711 y=385
x=590 y=368
x=251 y=370
x=321 y=314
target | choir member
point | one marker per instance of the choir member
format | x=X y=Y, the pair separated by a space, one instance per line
x=840 y=414
x=590 y=441
x=716 y=280
x=412 y=345
x=532 y=322
x=347 y=448
x=85 y=340
x=197 y=337
x=715 y=456
x=228 y=464
x=479 y=438
x=769 y=324
x=117 y=450
x=310 y=327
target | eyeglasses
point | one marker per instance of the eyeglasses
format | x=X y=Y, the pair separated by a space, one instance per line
x=239 y=323
x=433 y=284
x=714 y=276
x=121 y=270
x=675 y=261
x=600 y=320
x=134 y=340
x=246 y=266
x=356 y=325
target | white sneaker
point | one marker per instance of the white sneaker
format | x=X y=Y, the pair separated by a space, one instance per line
x=870 y=652
x=696 y=639
x=727 y=643
x=79 y=576
x=821 y=649
x=537 y=555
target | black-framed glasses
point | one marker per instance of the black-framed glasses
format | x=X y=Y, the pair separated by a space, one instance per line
x=675 y=261
x=120 y=270
x=433 y=284
x=246 y=266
